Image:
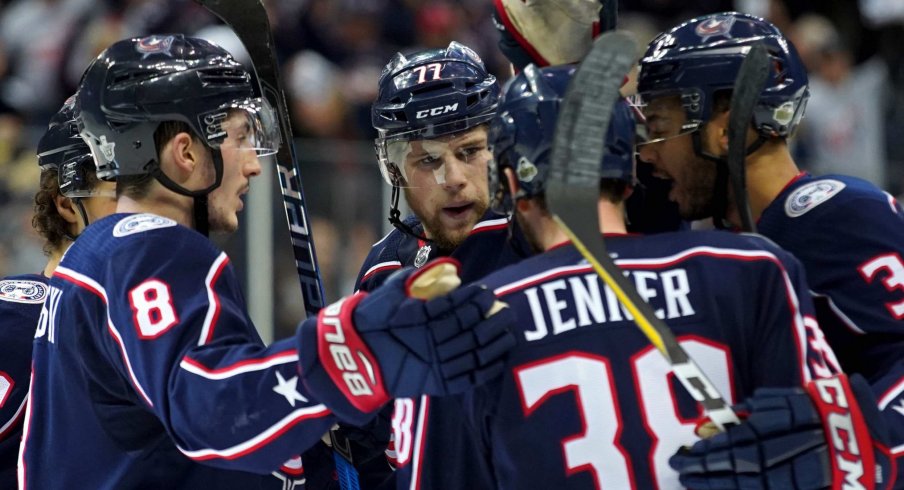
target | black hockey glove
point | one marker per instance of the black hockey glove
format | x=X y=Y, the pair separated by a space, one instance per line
x=368 y=348
x=827 y=436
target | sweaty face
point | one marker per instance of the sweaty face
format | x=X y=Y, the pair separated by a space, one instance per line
x=447 y=184
x=240 y=164
x=671 y=152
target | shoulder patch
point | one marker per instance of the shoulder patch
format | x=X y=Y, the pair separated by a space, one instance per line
x=140 y=223
x=811 y=195
x=22 y=291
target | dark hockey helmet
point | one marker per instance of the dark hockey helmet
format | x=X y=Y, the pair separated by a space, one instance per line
x=136 y=84
x=521 y=134
x=428 y=94
x=703 y=55
x=62 y=150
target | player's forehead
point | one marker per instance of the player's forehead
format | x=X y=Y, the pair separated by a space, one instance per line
x=470 y=135
x=665 y=107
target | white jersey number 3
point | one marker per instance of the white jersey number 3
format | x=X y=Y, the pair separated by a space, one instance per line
x=598 y=449
x=152 y=308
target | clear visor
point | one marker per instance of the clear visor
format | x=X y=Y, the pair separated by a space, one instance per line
x=658 y=123
x=248 y=124
x=406 y=162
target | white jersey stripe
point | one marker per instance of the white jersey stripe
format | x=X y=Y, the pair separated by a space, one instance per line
x=194 y=367
x=93 y=286
x=213 y=308
x=891 y=394
x=381 y=265
x=261 y=439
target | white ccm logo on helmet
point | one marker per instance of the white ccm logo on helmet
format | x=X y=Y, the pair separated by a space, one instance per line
x=344 y=359
x=436 y=111
x=840 y=427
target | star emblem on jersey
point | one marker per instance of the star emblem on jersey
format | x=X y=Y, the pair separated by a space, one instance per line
x=899 y=407
x=288 y=389
x=422 y=255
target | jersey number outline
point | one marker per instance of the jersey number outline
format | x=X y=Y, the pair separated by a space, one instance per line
x=152 y=308
x=892 y=264
x=597 y=448
x=6 y=387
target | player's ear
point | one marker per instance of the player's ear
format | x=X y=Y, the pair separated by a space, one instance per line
x=66 y=209
x=513 y=189
x=719 y=125
x=184 y=152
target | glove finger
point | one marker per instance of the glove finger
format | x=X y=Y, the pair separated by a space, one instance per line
x=445 y=329
x=494 y=326
x=473 y=293
x=456 y=346
x=458 y=366
x=497 y=349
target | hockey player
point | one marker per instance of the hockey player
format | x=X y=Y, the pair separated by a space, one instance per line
x=848 y=234
x=586 y=400
x=69 y=198
x=148 y=372
x=558 y=32
x=431 y=115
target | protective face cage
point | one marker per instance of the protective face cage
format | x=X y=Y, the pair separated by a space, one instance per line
x=428 y=147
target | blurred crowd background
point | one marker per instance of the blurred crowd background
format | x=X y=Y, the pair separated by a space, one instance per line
x=331 y=53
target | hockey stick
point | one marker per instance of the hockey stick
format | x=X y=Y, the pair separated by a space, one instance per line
x=573 y=190
x=608 y=15
x=747 y=88
x=248 y=19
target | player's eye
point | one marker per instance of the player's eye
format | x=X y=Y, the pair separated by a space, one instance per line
x=429 y=161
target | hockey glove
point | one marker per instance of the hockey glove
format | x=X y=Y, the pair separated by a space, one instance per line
x=546 y=32
x=368 y=348
x=827 y=436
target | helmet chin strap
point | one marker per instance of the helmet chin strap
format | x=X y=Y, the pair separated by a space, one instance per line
x=720 y=186
x=395 y=215
x=199 y=197
x=82 y=214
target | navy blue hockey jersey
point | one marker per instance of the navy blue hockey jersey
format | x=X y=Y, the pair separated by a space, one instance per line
x=21 y=298
x=148 y=372
x=849 y=235
x=491 y=245
x=586 y=401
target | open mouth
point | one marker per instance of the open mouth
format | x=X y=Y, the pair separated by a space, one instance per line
x=458 y=211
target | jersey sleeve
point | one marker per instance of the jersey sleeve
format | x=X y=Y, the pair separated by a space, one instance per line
x=17 y=329
x=859 y=265
x=791 y=348
x=179 y=334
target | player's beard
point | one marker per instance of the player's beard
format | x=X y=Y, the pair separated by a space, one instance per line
x=696 y=191
x=445 y=239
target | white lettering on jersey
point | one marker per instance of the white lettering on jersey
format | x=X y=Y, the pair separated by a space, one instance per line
x=811 y=195
x=583 y=293
x=47 y=320
x=140 y=223
x=23 y=291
